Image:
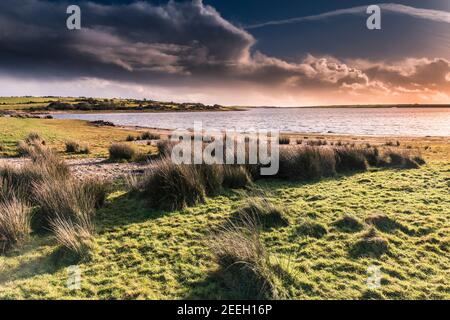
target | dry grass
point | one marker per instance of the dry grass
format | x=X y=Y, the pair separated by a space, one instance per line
x=171 y=186
x=15 y=223
x=77 y=147
x=122 y=151
x=247 y=268
x=264 y=212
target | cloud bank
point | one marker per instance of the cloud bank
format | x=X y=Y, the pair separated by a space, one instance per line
x=189 y=50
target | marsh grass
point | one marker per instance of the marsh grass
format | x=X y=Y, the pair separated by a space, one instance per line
x=170 y=186
x=311 y=228
x=236 y=176
x=122 y=151
x=306 y=163
x=15 y=223
x=77 y=147
x=246 y=267
x=370 y=244
x=149 y=136
x=350 y=159
x=284 y=140
x=348 y=223
x=406 y=159
x=263 y=212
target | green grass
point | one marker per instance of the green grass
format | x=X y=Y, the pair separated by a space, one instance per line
x=57 y=132
x=164 y=255
x=19 y=103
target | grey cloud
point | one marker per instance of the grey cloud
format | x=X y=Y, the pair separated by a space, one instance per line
x=179 y=45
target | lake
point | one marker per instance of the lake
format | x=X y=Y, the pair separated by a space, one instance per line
x=352 y=121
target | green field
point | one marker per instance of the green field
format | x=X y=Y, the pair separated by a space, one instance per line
x=146 y=254
x=57 y=132
x=162 y=255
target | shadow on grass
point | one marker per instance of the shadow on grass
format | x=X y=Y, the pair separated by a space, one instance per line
x=48 y=264
x=125 y=209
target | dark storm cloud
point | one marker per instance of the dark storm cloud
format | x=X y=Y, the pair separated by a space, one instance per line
x=184 y=44
x=137 y=42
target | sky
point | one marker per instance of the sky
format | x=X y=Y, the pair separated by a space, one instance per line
x=230 y=52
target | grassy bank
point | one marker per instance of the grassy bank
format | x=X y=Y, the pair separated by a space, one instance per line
x=57 y=132
x=331 y=231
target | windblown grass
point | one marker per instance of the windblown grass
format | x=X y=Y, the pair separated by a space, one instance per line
x=122 y=151
x=247 y=268
x=15 y=223
x=171 y=186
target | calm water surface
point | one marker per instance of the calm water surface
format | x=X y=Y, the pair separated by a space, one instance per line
x=357 y=121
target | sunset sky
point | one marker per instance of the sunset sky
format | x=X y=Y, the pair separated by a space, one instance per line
x=231 y=52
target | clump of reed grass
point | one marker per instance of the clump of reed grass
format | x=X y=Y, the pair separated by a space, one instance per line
x=311 y=228
x=349 y=223
x=236 y=176
x=212 y=177
x=306 y=163
x=130 y=138
x=246 y=266
x=316 y=143
x=171 y=186
x=262 y=211
x=74 y=234
x=15 y=223
x=34 y=138
x=64 y=198
x=98 y=188
x=403 y=159
x=372 y=155
x=370 y=244
x=77 y=147
x=284 y=140
x=150 y=136
x=122 y=151
x=68 y=206
x=350 y=159
x=165 y=147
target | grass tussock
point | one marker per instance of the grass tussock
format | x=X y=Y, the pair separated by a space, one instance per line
x=98 y=188
x=33 y=143
x=306 y=163
x=370 y=244
x=15 y=223
x=350 y=159
x=405 y=159
x=383 y=223
x=74 y=235
x=150 y=136
x=68 y=207
x=77 y=147
x=165 y=147
x=348 y=223
x=247 y=269
x=311 y=228
x=284 y=140
x=171 y=186
x=122 y=151
x=265 y=213
x=236 y=176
